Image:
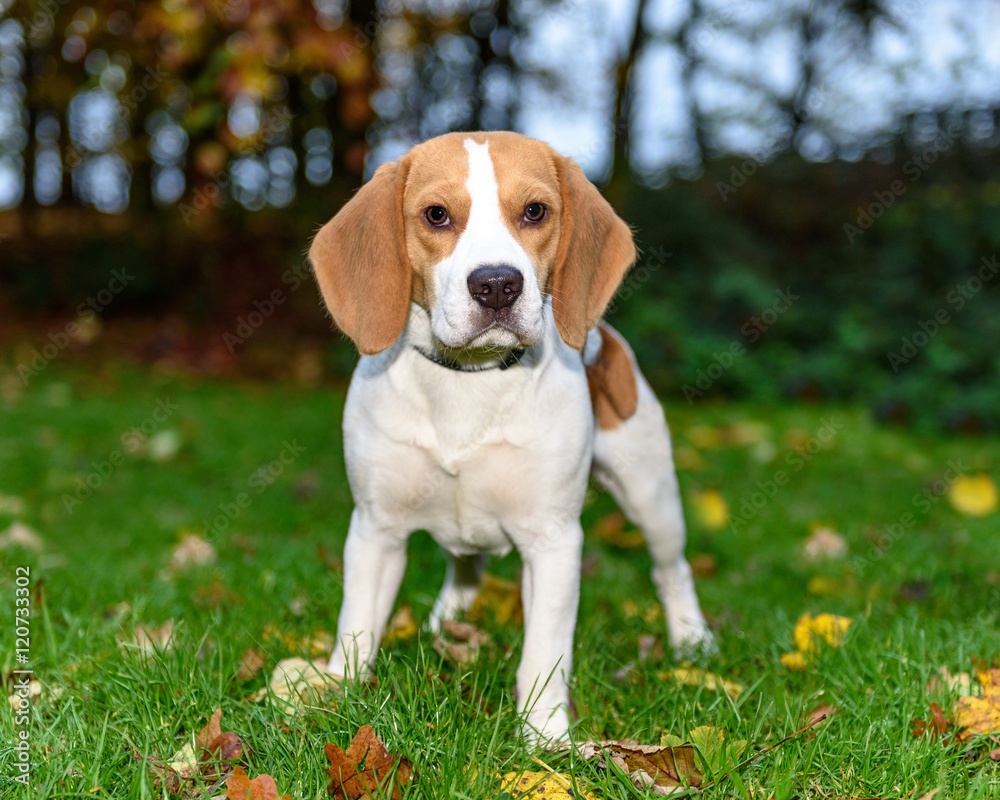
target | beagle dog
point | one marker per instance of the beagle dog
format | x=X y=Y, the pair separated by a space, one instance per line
x=472 y=275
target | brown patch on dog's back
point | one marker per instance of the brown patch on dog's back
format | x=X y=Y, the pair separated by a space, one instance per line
x=614 y=391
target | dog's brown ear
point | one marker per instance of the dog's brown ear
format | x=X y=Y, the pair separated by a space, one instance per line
x=595 y=252
x=360 y=262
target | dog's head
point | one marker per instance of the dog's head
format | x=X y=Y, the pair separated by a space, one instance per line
x=478 y=229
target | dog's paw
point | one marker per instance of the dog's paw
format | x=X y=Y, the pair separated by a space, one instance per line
x=546 y=730
x=693 y=643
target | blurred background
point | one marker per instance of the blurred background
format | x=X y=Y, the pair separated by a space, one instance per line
x=814 y=184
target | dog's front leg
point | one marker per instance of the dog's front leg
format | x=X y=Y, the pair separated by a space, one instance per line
x=551 y=594
x=374 y=560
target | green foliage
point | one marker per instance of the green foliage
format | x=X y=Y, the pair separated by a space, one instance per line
x=907 y=284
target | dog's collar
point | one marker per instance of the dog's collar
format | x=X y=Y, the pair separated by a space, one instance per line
x=512 y=358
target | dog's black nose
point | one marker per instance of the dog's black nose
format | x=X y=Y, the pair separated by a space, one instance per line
x=496 y=287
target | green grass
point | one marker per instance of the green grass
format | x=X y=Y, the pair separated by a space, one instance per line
x=930 y=599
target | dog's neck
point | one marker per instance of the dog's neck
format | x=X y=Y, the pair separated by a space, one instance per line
x=420 y=337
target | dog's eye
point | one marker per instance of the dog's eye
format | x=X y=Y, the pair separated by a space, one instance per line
x=534 y=212
x=437 y=216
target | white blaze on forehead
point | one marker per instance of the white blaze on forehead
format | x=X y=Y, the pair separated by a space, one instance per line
x=486 y=230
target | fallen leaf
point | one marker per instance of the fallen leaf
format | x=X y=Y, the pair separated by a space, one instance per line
x=215 y=595
x=714 y=753
x=17 y=696
x=937 y=725
x=498 y=599
x=695 y=676
x=251 y=662
x=191 y=552
x=541 y=786
x=811 y=632
x=943 y=680
x=402 y=626
x=313 y=645
x=611 y=530
x=361 y=770
x=824 y=543
x=296 y=684
x=162 y=446
x=240 y=787
x=688 y=459
x=9 y=504
x=980 y=715
x=331 y=561
x=706 y=438
x=150 y=641
x=820 y=713
x=20 y=535
x=794 y=661
x=206 y=759
x=661 y=769
x=746 y=433
x=703 y=565
x=710 y=508
x=464 y=644
x=973 y=495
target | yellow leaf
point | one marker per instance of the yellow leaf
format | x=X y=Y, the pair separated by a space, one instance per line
x=710 y=508
x=705 y=438
x=542 y=785
x=402 y=626
x=828 y=628
x=502 y=599
x=794 y=661
x=980 y=715
x=973 y=495
x=820 y=585
x=689 y=459
x=694 y=676
x=296 y=684
x=611 y=529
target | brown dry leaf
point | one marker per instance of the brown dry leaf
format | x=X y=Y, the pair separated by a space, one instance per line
x=331 y=561
x=930 y=795
x=366 y=764
x=296 y=684
x=703 y=565
x=936 y=726
x=542 y=786
x=980 y=715
x=205 y=760
x=191 y=552
x=20 y=535
x=215 y=595
x=695 y=676
x=240 y=787
x=820 y=713
x=611 y=529
x=149 y=641
x=824 y=543
x=251 y=662
x=402 y=626
x=973 y=495
x=466 y=640
x=662 y=769
x=497 y=598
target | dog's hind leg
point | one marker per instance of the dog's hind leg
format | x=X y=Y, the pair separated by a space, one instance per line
x=461 y=584
x=633 y=459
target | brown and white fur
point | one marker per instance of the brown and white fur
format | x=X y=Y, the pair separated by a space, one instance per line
x=495 y=458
